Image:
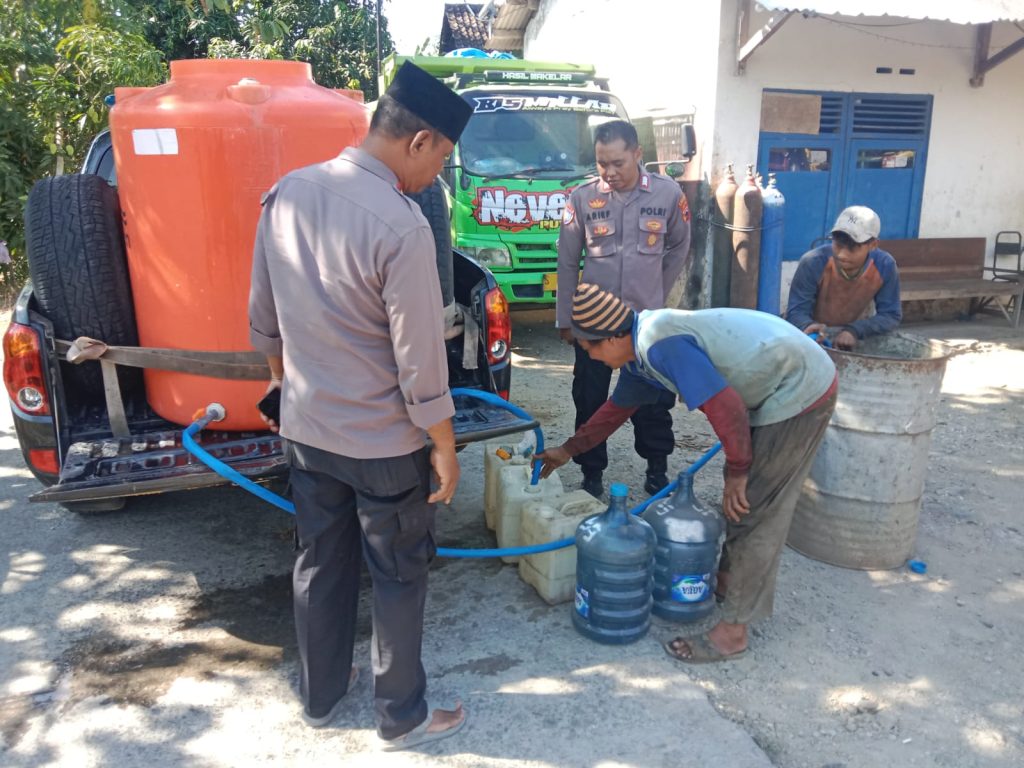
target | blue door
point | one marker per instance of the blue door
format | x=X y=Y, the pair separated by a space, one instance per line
x=806 y=174
x=887 y=176
x=870 y=149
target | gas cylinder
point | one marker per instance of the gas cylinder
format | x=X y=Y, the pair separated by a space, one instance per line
x=614 y=573
x=690 y=537
x=721 y=244
x=193 y=157
x=746 y=240
x=769 y=272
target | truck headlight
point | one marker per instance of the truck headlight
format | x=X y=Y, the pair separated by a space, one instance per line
x=490 y=256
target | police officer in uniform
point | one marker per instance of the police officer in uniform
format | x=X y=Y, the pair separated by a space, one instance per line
x=346 y=304
x=632 y=229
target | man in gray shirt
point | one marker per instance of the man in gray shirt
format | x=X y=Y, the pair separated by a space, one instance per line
x=346 y=304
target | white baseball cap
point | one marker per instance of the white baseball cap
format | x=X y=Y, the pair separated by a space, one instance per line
x=859 y=222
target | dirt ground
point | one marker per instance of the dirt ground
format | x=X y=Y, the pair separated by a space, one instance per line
x=886 y=668
x=161 y=635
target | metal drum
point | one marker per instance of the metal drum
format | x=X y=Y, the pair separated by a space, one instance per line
x=860 y=504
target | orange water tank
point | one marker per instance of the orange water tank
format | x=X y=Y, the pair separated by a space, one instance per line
x=193 y=158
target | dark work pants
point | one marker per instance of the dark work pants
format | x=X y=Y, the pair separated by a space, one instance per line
x=375 y=508
x=652 y=424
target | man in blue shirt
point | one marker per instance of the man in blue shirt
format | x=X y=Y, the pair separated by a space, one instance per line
x=836 y=285
x=768 y=392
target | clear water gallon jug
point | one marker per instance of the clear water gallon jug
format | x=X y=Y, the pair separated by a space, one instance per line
x=690 y=537
x=614 y=573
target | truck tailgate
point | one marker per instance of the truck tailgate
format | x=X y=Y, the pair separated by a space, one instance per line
x=155 y=462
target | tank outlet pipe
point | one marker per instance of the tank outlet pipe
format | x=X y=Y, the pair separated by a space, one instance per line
x=216 y=412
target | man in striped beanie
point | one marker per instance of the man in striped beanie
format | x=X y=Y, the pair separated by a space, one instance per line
x=768 y=391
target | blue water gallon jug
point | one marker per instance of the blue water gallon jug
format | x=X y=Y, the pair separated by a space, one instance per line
x=690 y=537
x=614 y=573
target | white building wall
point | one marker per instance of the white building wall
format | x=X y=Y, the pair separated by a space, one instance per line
x=973 y=179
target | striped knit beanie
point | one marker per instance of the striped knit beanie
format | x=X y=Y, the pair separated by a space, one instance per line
x=598 y=314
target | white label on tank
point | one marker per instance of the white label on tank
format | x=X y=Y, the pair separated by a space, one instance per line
x=155 y=141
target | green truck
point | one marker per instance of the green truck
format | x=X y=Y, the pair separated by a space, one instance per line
x=527 y=146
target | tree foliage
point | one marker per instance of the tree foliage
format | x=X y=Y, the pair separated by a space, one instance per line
x=59 y=59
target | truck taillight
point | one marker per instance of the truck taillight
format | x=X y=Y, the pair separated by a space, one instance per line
x=23 y=370
x=499 y=326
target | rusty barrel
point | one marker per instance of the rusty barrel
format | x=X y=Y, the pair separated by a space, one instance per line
x=860 y=504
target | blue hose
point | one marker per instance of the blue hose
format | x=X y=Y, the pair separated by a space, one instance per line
x=229 y=473
x=487 y=397
x=815 y=336
x=536 y=549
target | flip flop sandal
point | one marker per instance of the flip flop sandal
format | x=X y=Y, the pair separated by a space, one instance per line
x=419 y=735
x=320 y=722
x=701 y=651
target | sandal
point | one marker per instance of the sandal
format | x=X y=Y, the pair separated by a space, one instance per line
x=420 y=735
x=701 y=650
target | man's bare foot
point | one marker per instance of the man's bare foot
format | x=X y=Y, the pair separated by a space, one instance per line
x=446 y=719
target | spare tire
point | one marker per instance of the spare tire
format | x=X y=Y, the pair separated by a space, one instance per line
x=433 y=202
x=75 y=249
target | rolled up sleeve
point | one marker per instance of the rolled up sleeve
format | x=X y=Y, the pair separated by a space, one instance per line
x=264 y=333
x=412 y=296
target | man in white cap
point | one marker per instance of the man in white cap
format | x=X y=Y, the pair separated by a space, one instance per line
x=850 y=286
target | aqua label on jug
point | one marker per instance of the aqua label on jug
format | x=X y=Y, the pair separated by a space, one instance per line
x=691 y=589
x=582 y=602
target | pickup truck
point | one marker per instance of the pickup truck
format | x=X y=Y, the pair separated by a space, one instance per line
x=63 y=413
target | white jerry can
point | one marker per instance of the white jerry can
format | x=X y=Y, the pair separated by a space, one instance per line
x=553 y=574
x=499 y=455
x=514 y=491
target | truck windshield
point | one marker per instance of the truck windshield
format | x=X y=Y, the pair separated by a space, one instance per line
x=549 y=135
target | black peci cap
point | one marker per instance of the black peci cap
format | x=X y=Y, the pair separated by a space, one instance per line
x=430 y=100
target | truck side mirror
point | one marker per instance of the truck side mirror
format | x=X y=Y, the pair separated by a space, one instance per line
x=689 y=142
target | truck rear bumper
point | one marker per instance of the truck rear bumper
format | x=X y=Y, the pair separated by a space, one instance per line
x=156 y=462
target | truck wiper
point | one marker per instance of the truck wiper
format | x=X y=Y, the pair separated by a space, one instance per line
x=522 y=173
x=553 y=168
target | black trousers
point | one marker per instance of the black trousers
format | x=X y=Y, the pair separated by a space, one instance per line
x=346 y=509
x=652 y=424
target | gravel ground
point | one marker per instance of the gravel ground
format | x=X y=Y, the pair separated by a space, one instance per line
x=161 y=634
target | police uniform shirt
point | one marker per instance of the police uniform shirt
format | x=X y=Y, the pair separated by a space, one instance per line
x=635 y=243
x=345 y=288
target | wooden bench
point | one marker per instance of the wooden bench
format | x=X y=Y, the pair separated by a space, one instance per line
x=952 y=268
